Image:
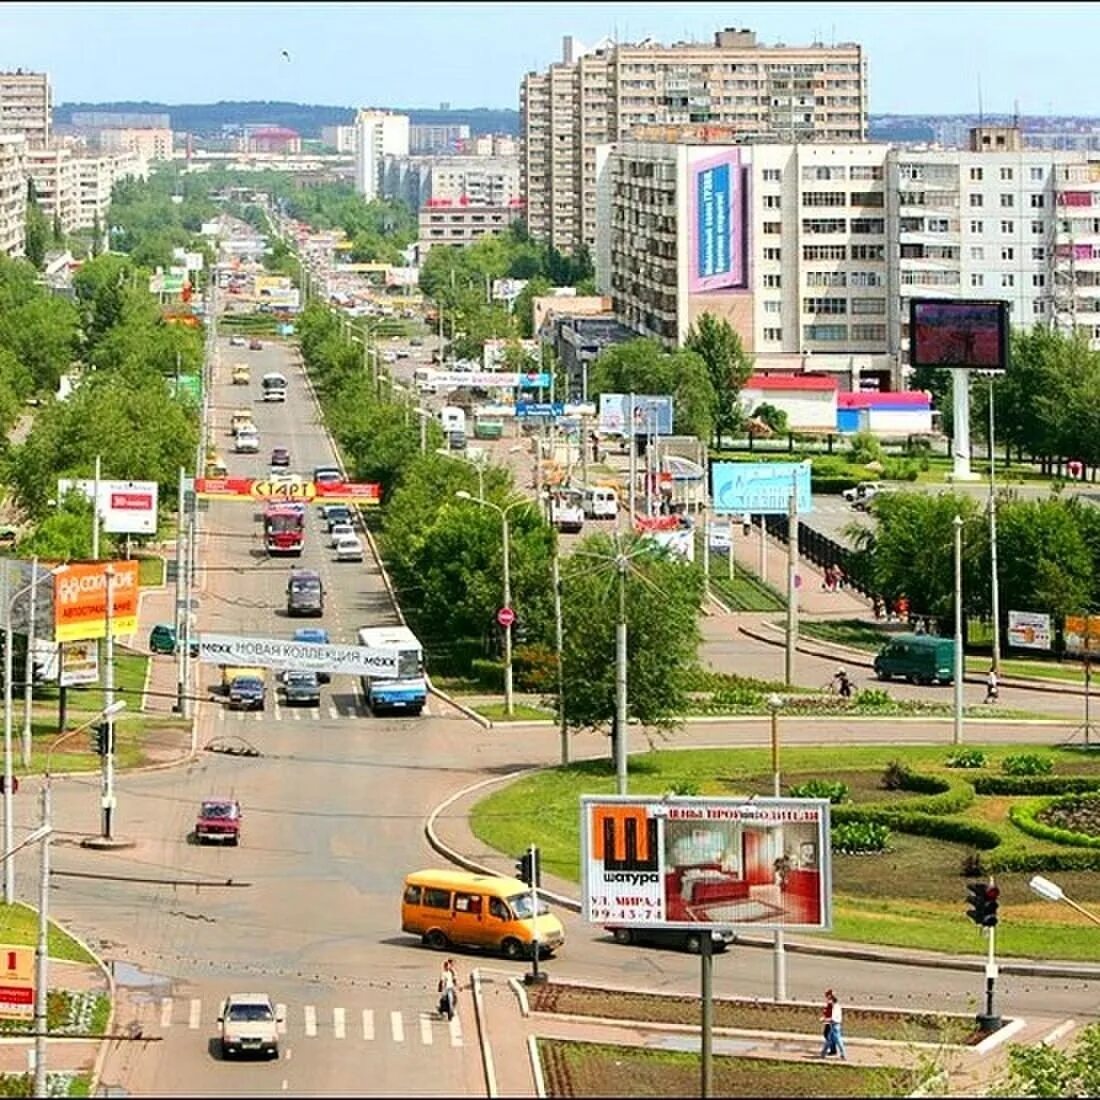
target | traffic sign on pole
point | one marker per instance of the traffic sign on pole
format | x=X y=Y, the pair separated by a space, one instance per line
x=506 y=616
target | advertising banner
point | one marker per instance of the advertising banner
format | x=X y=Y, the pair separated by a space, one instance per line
x=16 y=980
x=717 y=223
x=125 y=507
x=958 y=333
x=635 y=414
x=1082 y=634
x=251 y=490
x=759 y=487
x=675 y=533
x=80 y=600
x=1029 y=630
x=537 y=409
x=66 y=663
x=724 y=862
x=352 y=660
x=488 y=379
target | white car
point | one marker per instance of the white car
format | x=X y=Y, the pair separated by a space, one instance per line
x=340 y=531
x=248 y=443
x=238 y=342
x=249 y=1024
x=349 y=548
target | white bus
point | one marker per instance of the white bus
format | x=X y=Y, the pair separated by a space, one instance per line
x=273 y=386
x=408 y=691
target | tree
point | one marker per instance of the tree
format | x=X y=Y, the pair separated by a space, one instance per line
x=37 y=232
x=773 y=416
x=1043 y=1070
x=728 y=368
x=65 y=533
x=42 y=335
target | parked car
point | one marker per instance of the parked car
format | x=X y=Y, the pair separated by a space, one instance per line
x=237 y=342
x=255 y=345
x=249 y=1024
x=349 y=548
x=162 y=639
x=314 y=635
x=300 y=686
x=681 y=939
x=859 y=495
x=340 y=530
x=280 y=457
x=219 y=819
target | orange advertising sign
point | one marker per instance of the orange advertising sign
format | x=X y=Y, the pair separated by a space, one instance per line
x=249 y=490
x=80 y=600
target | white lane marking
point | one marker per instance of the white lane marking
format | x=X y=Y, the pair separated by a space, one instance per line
x=280 y=1016
x=221 y=710
x=333 y=712
x=397 y=1026
x=311 y=1020
x=196 y=1010
x=426 y=1029
x=338 y=1023
x=278 y=713
x=286 y=1083
x=166 y=1012
x=455 y=1026
x=368 y=1023
x=315 y=714
x=259 y=715
x=289 y=1054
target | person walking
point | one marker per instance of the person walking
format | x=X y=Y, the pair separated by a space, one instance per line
x=992 y=689
x=836 y=1019
x=448 y=990
x=827 y=1046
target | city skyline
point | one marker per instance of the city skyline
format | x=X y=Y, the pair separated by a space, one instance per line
x=1000 y=57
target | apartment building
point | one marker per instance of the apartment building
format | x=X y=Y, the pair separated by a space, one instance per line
x=378 y=134
x=340 y=138
x=480 y=181
x=425 y=138
x=489 y=145
x=13 y=194
x=77 y=189
x=26 y=106
x=459 y=224
x=592 y=97
x=146 y=142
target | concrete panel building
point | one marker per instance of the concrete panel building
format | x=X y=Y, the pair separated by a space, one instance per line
x=146 y=142
x=461 y=224
x=592 y=97
x=77 y=189
x=26 y=106
x=428 y=138
x=13 y=194
x=378 y=134
x=340 y=138
x=481 y=181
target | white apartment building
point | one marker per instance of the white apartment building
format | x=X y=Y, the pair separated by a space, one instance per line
x=480 y=181
x=378 y=134
x=437 y=137
x=761 y=93
x=26 y=106
x=460 y=225
x=77 y=189
x=146 y=142
x=340 y=138
x=13 y=194
x=491 y=145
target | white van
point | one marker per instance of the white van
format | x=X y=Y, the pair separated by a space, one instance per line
x=273 y=386
x=453 y=419
x=601 y=503
x=247 y=441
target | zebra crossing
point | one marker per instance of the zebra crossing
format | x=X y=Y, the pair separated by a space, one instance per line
x=338 y=1023
x=279 y=713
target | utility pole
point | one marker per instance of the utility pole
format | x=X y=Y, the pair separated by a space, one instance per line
x=957 y=733
x=108 y=800
x=995 y=583
x=181 y=613
x=559 y=640
x=620 y=683
x=792 y=580
x=41 y=951
x=28 y=673
x=95 y=511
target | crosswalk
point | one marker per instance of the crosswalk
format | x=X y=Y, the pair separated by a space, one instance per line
x=279 y=713
x=337 y=1023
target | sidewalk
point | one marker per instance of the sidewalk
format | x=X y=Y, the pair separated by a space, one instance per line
x=157 y=605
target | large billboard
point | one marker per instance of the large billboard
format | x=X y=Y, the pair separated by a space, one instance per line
x=80 y=600
x=1029 y=630
x=958 y=333
x=717 y=223
x=635 y=414
x=353 y=660
x=1082 y=634
x=489 y=379
x=726 y=862
x=759 y=488
x=125 y=507
x=254 y=490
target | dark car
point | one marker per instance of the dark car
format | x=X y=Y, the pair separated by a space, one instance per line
x=681 y=939
x=280 y=457
x=162 y=639
x=337 y=513
x=302 y=687
x=314 y=635
x=255 y=345
x=246 y=693
x=219 y=819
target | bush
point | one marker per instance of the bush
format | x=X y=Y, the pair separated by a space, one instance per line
x=924 y=824
x=536 y=668
x=855 y=837
x=865 y=447
x=895 y=775
x=489 y=675
x=1035 y=784
x=1027 y=763
x=873 y=697
x=900 y=469
x=820 y=788
x=966 y=758
x=1025 y=862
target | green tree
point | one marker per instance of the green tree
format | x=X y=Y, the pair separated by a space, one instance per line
x=42 y=335
x=773 y=416
x=64 y=533
x=1042 y=1070
x=728 y=367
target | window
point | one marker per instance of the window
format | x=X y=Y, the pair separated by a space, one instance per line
x=435 y=898
x=868 y=198
x=866 y=279
x=977 y=227
x=812 y=252
x=1008 y=227
x=977 y=280
x=1036 y=227
x=830 y=333
x=1008 y=280
x=1039 y=253
x=826 y=278
x=824 y=305
x=498 y=909
x=868 y=332
x=976 y=174
x=773 y=202
x=977 y=252
x=773 y=253
x=1036 y=174
x=868 y=252
x=1039 y=279
x=1037 y=307
x=824 y=198
x=824 y=225
x=773 y=282
x=773 y=228
x=1006 y=173
x=976 y=199
x=773 y=334
x=468 y=903
x=866 y=172
x=869 y=225
x=1007 y=200
x=1008 y=253
x=869 y=305
x=1038 y=201
x=773 y=306
x=412 y=895
x=771 y=175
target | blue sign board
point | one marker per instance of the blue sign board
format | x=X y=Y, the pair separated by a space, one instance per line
x=635 y=414
x=713 y=229
x=760 y=488
x=534 y=380
x=526 y=409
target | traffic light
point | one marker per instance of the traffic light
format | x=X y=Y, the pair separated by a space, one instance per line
x=983 y=901
x=101 y=739
x=527 y=867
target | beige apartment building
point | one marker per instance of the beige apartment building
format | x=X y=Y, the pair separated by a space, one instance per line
x=457 y=225
x=26 y=106
x=77 y=189
x=147 y=142
x=760 y=93
x=13 y=194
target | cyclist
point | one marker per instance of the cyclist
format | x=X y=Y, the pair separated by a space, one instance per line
x=843 y=684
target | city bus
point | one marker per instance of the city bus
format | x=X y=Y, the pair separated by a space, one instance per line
x=408 y=691
x=284 y=529
x=273 y=385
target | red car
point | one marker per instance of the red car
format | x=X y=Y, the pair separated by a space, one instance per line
x=255 y=345
x=219 y=819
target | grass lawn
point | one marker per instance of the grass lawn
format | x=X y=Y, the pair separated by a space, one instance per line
x=745 y=592
x=522 y=712
x=151 y=571
x=19 y=927
x=911 y=895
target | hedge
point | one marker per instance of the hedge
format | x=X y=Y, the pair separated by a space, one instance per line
x=1025 y=817
x=1035 y=784
x=945 y=797
x=923 y=824
x=1019 y=860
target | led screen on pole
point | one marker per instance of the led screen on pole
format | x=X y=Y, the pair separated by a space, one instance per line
x=957 y=333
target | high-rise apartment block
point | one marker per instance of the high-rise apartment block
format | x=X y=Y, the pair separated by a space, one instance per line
x=26 y=106
x=13 y=194
x=378 y=134
x=480 y=181
x=761 y=93
x=340 y=138
x=76 y=190
x=437 y=137
x=147 y=142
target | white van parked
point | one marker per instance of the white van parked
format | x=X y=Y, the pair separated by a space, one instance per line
x=453 y=419
x=601 y=503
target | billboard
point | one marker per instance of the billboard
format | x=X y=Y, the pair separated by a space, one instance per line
x=727 y=862
x=635 y=414
x=18 y=580
x=80 y=600
x=353 y=660
x=1029 y=630
x=489 y=379
x=125 y=507
x=717 y=223
x=958 y=333
x=16 y=980
x=67 y=663
x=759 y=487
x=1082 y=634
x=251 y=490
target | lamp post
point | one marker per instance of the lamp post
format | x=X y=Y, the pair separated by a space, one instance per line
x=1051 y=891
x=9 y=645
x=779 y=957
x=477 y=464
x=958 y=727
x=509 y=703
x=995 y=584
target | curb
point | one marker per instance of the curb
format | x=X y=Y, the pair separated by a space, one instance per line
x=483 y=1038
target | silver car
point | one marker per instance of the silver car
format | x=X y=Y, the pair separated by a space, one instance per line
x=302 y=688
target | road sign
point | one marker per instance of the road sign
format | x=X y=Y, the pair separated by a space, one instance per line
x=506 y=616
x=16 y=980
x=531 y=409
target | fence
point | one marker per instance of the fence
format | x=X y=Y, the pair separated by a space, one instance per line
x=823 y=551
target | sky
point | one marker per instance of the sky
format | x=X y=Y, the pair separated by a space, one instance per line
x=926 y=58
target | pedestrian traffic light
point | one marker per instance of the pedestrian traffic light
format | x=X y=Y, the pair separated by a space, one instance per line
x=527 y=867
x=983 y=901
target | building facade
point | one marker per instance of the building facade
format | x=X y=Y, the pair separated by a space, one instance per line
x=340 y=138
x=13 y=194
x=458 y=224
x=481 y=181
x=377 y=134
x=75 y=189
x=26 y=106
x=797 y=94
x=427 y=138
x=146 y=142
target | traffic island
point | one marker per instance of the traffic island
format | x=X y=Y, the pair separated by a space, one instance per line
x=107 y=843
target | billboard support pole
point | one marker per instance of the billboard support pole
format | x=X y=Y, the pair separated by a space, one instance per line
x=95 y=511
x=28 y=673
x=763 y=551
x=957 y=734
x=620 y=684
x=179 y=596
x=995 y=589
x=792 y=580
x=706 y=1044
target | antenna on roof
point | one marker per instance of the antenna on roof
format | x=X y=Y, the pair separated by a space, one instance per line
x=980 y=116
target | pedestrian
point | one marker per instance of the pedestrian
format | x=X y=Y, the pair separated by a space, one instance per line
x=836 y=1021
x=992 y=689
x=827 y=1045
x=879 y=606
x=448 y=990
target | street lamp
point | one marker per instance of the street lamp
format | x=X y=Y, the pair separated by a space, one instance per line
x=958 y=727
x=9 y=645
x=1051 y=891
x=461 y=494
x=478 y=464
x=779 y=957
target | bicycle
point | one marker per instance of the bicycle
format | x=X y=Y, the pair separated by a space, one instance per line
x=832 y=687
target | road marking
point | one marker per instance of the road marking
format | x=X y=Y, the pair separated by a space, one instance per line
x=455 y=1026
x=280 y=1025
x=397 y=1026
x=166 y=1012
x=338 y=1023
x=426 y=1029
x=368 y=1023
x=196 y=1009
x=311 y=1020
x=278 y=713
x=258 y=715
x=315 y=714
x=333 y=712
